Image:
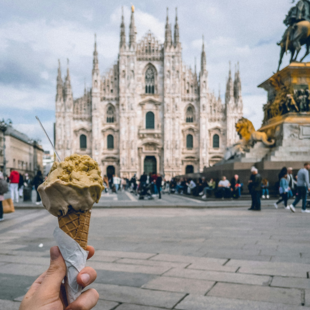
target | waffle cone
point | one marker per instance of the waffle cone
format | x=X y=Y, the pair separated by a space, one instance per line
x=76 y=225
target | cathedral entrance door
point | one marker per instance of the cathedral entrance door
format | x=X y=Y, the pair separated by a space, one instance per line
x=110 y=171
x=150 y=164
x=189 y=169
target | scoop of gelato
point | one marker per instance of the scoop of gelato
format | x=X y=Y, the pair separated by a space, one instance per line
x=74 y=182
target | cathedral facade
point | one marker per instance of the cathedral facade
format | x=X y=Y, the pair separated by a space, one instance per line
x=149 y=112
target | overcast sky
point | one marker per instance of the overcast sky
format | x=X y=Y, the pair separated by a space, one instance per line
x=34 y=34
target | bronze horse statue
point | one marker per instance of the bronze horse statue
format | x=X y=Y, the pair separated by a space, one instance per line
x=293 y=39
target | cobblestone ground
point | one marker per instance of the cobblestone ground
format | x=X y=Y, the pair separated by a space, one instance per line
x=177 y=258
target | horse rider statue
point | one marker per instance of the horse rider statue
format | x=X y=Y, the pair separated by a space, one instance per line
x=298 y=32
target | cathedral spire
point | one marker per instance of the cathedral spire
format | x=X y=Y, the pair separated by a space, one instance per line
x=95 y=57
x=237 y=84
x=176 y=29
x=203 y=57
x=132 y=28
x=168 y=34
x=59 y=87
x=123 y=33
x=229 y=86
x=67 y=87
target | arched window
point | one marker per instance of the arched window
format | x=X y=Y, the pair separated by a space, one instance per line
x=216 y=141
x=110 y=142
x=189 y=141
x=150 y=81
x=149 y=120
x=110 y=115
x=83 y=142
x=189 y=115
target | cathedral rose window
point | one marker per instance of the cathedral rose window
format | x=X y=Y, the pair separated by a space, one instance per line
x=149 y=81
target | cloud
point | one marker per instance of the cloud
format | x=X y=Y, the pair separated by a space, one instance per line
x=35 y=35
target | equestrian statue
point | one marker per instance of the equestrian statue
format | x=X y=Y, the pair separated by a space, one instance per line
x=297 y=33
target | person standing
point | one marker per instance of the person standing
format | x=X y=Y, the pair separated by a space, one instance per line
x=303 y=186
x=159 y=180
x=283 y=190
x=14 y=180
x=37 y=181
x=21 y=185
x=3 y=190
x=291 y=182
x=255 y=187
x=265 y=189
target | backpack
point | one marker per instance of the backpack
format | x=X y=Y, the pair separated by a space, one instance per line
x=3 y=187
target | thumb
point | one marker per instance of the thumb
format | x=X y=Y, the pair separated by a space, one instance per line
x=55 y=273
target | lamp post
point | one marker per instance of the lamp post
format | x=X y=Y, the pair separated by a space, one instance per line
x=3 y=127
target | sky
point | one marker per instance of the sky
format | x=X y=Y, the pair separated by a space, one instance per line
x=34 y=34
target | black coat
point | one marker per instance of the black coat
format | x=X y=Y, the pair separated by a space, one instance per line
x=143 y=178
x=257 y=183
x=159 y=180
x=234 y=182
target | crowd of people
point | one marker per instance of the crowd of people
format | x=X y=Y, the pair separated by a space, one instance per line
x=20 y=187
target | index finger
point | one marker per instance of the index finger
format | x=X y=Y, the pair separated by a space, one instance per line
x=91 y=251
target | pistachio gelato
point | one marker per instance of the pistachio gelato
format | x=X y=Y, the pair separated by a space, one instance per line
x=74 y=182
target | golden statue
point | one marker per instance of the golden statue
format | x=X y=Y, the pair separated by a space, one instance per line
x=132 y=8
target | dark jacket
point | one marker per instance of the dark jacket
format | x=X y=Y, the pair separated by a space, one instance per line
x=234 y=182
x=257 y=183
x=143 y=178
x=159 y=181
x=37 y=181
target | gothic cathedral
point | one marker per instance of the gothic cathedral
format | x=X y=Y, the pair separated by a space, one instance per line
x=149 y=112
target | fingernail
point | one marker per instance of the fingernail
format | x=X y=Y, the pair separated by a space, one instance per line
x=85 y=277
x=55 y=253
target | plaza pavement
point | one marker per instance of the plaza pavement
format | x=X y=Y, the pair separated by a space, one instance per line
x=176 y=258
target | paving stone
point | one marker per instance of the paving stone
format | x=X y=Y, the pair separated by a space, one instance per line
x=257 y=293
x=291 y=282
x=151 y=262
x=158 y=270
x=135 y=307
x=193 y=302
x=25 y=260
x=143 y=297
x=275 y=271
x=14 y=286
x=188 y=259
x=105 y=305
x=124 y=254
x=105 y=259
x=9 y=305
x=215 y=267
x=123 y=278
x=22 y=269
x=218 y=276
x=170 y=284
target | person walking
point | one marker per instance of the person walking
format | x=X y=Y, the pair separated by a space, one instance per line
x=14 y=180
x=283 y=190
x=159 y=180
x=303 y=186
x=37 y=181
x=255 y=187
x=3 y=190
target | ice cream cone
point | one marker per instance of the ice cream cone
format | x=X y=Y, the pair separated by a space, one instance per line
x=76 y=225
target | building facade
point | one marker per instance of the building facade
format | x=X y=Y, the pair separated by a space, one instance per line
x=149 y=112
x=22 y=153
